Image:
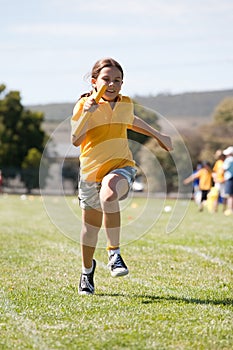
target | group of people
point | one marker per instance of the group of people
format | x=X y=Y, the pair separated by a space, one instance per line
x=215 y=183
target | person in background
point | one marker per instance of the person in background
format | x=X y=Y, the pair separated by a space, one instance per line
x=196 y=188
x=228 y=176
x=205 y=181
x=218 y=178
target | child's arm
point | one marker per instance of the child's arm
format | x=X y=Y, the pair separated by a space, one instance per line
x=139 y=125
x=79 y=121
x=188 y=180
x=191 y=178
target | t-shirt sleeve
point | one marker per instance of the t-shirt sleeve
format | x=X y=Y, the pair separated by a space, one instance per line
x=77 y=112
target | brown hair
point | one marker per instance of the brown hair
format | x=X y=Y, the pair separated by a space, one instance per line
x=102 y=63
x=99 y=65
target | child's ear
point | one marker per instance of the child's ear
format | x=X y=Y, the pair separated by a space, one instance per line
x=93 y=82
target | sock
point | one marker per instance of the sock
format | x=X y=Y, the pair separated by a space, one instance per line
x=113 y=251
x=86 y=270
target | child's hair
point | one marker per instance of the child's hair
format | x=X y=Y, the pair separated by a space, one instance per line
x=102 y=63
x=207 y=165
x=99 y=65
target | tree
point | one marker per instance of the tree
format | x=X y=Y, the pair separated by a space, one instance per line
x=223 y=113
x=203 y=142
x=30 y=166
x=218 y=134
x=21 y=134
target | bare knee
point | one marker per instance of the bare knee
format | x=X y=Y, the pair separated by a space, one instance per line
x=108 y=194
x=113 y=188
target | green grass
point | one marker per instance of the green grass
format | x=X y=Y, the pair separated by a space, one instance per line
x=178 y=294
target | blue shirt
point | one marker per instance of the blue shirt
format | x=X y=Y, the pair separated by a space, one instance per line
x=228 y=168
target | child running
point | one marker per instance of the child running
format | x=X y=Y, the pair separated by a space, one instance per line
x=205 y=181
x=107 y=168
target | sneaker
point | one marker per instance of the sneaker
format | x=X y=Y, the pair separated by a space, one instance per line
x=117 y=266
x=228 y=212
x=86 y=284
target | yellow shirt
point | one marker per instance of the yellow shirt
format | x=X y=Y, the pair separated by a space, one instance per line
x=205 y=179
x=219 y=172
x=105 y=146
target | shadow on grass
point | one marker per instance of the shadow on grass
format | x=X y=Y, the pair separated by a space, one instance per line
x=149 y=299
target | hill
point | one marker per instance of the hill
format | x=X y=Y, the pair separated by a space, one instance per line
x=189 y=105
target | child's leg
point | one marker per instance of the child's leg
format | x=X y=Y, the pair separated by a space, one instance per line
x=230 y=202
x=114 y=186
x=92 y=221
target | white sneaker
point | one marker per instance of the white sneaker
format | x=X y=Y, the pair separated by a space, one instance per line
x=117 y=266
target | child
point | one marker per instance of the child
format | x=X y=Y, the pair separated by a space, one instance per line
x=205 y=181
x=107 y=169
x=218 y=177
x=228 y=176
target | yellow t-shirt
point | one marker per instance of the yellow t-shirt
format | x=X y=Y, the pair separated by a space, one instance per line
x=105 y=146
x=205 y=179
x=219 y=172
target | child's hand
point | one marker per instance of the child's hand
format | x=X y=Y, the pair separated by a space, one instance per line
x=90 y=105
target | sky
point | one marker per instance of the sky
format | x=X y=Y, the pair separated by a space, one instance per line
x=48 y=47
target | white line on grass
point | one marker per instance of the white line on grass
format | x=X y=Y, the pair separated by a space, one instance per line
x=202 y=255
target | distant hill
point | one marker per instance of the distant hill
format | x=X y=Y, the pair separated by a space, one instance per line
x=191 y=104
x=54 y=111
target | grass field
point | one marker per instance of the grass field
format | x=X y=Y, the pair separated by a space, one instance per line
x=178 y=294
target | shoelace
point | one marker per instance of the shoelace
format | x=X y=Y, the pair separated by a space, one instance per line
x=116 y=262
x=86 y=284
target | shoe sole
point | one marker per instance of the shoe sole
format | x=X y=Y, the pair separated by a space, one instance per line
x=85 y=293
x=120 y=273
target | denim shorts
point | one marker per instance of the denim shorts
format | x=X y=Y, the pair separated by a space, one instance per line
x=229 y=187
x=88 y=192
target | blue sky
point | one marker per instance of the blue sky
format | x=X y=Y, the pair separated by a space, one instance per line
x=166 y=46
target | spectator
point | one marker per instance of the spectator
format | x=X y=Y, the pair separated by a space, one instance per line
x=218 y=178
x=228 y=176
x=196 y=188
x=205 y=182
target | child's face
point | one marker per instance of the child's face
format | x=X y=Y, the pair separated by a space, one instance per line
x=112 y=77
